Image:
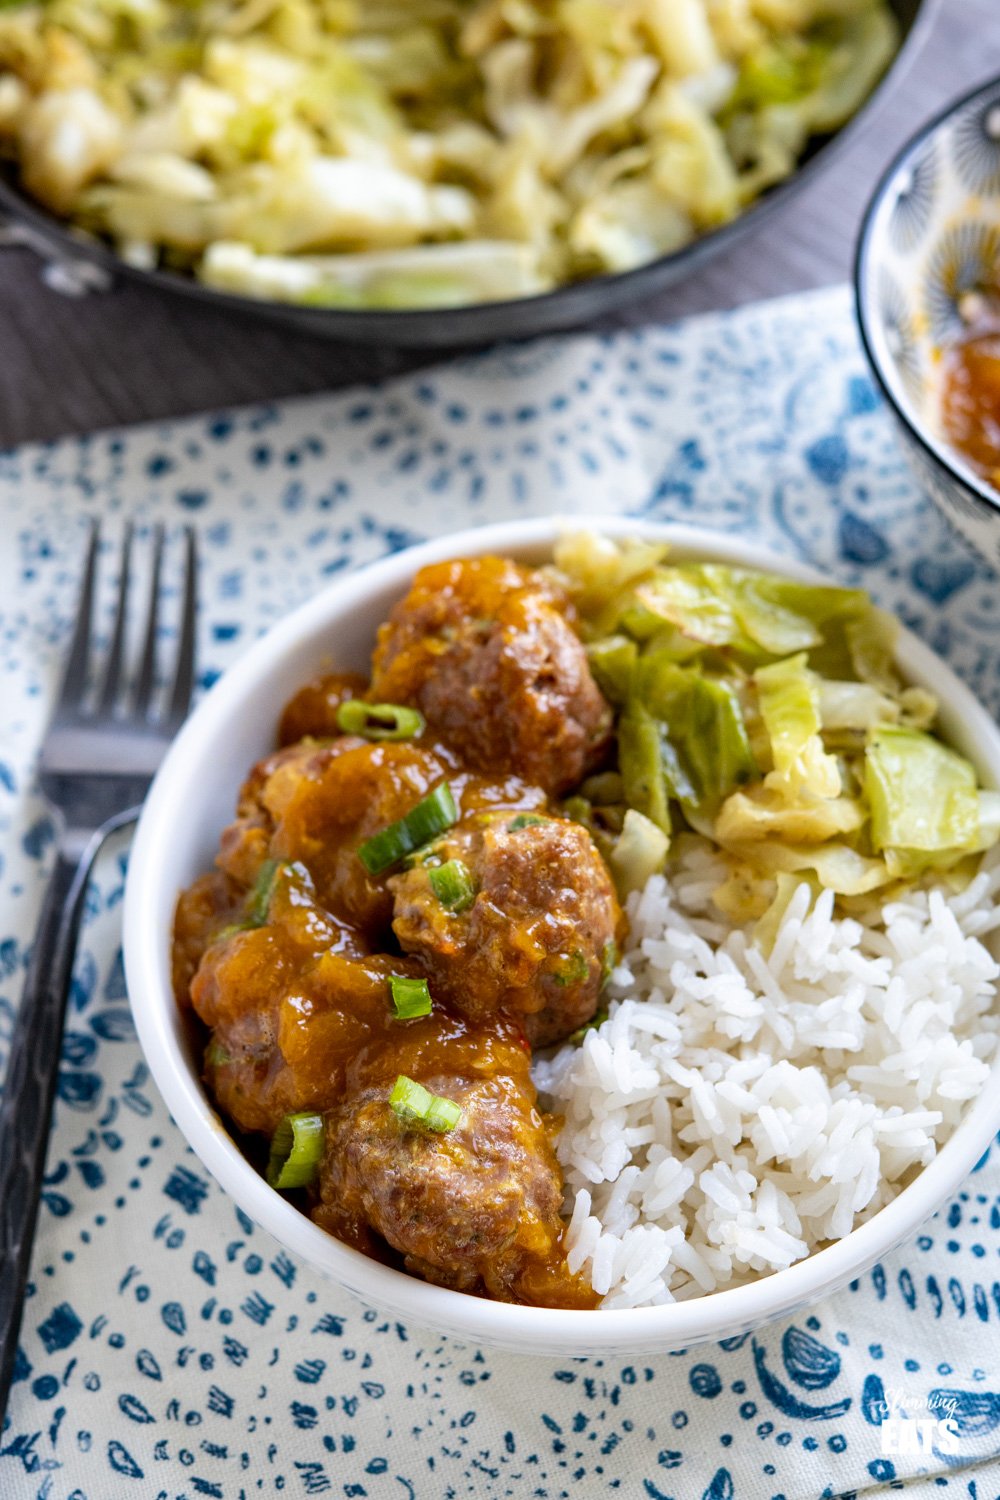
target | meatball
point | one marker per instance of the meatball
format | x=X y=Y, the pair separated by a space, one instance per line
x=475 y=1208
x=288 y=1004
x=316 y=804
x=486 y=651
x=284 y=1043
x=536 y=937
x=245 y=843
x=203 y=910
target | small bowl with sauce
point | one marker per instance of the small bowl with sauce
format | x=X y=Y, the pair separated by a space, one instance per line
x=927 y=281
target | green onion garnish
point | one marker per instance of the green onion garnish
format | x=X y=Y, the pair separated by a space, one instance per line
x=410 y=997
x=524 y=820
x=259 y=901
x=452 y=885
x=412 y=1104
x=216 y=1055
x=431 y=816
x=598 y=1019
x=609 y=960
x=577 y=969
x=380 y=721
x=296 y=1148
x=443 y=1114
x=225 y=933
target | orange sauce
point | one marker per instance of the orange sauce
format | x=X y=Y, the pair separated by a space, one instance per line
x=298 y=1011
x=971 y=393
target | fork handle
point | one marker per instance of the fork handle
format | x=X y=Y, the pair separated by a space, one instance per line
x=32 y=1069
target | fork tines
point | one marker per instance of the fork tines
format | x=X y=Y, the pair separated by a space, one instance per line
x=117 y=691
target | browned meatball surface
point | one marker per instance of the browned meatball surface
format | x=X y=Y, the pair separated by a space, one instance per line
x=539 y=932
x=486 y=651
x=462 y=1207
x=274 y=951
x=319 y=803
x=475 y=1208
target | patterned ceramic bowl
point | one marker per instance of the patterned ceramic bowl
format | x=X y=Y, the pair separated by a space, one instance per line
x=930 y=239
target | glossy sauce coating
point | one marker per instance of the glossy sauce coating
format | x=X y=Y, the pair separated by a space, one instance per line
x=486 y=650
x=971 y=392
x=286 y=952
x=539 y=934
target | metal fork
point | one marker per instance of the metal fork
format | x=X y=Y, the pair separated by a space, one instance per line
x=97 y=761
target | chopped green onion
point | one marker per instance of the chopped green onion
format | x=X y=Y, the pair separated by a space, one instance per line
x=296 y=1148
x=443 y=1114
x=412 y=1104
x=410 y=997
x=380 y=721
x=524 y=820
x=259 y=901
x=597 y=1019
x=452 y=885
x=577 y=970
x=216 y=1055
x=409 y=1101
x=431 y=816
x=225 y=933
x=609 y=960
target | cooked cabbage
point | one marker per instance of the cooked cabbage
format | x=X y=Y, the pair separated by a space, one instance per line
x=681 y=732
x=767 y=716
x=639 y=852
x=788 y=695
x=420 y=153
x=926 y=809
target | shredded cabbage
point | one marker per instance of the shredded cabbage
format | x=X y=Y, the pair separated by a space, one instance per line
x=789 y=701
x=703 y=748
x=767 y=715
x=639 y=852
x=420 y=153
x=926 y=809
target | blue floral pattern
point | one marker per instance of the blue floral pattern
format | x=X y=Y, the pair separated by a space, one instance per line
x=171 y=1349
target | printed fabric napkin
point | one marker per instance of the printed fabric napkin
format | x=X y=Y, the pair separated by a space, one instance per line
x=170 y=1349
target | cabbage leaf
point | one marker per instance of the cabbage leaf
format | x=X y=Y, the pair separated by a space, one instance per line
x=922 y=794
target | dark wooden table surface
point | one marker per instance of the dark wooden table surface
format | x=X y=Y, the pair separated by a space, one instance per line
x=74 y=364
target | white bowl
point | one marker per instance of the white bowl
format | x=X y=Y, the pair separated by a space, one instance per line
x=193 y=798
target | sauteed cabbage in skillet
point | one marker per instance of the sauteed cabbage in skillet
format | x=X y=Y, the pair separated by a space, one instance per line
x=420 y=153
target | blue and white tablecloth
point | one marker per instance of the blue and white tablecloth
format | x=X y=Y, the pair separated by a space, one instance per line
x=171 y=1350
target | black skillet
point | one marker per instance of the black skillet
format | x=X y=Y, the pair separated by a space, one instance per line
x=479 y=323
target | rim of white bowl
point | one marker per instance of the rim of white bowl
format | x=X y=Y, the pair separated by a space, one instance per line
x=713 y=1316
x=870 y=324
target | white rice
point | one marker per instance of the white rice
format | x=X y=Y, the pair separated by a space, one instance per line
x=737 y=1110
